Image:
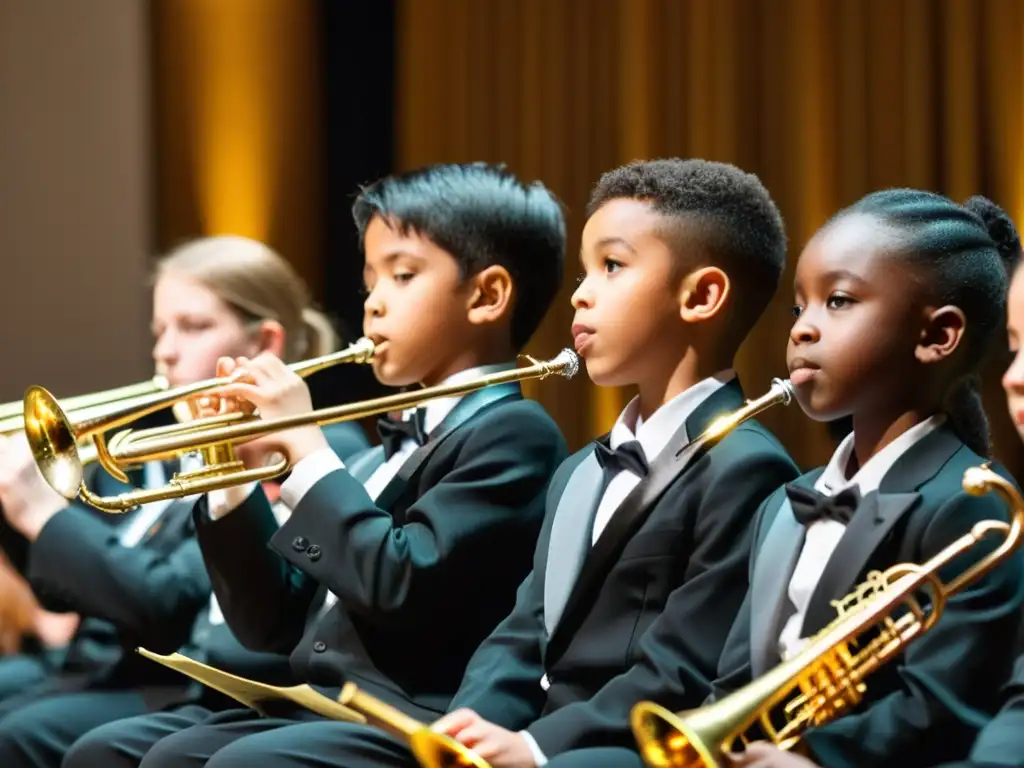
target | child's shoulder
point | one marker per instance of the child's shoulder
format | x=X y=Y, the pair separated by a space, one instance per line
x=516 y=421
x=751 y=441
x=948 y=480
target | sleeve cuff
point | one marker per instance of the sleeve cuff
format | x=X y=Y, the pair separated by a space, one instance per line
x=226 y=500
x=539 y=758
x=307 y=473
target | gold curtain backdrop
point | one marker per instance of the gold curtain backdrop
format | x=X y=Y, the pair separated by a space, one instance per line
x=236 y=113
x=825 y=100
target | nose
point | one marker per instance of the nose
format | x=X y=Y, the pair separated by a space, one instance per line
x=804 y=330
x=165 y=349
x=1013 y=379
x=583 y=296
x=373 y=305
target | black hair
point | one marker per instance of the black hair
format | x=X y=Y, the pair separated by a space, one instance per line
x=736 y=222
x=483 y=216
x=966 y=253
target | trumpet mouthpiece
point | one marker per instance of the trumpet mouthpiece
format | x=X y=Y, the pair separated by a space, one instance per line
x=786 y=389
x=566 y=363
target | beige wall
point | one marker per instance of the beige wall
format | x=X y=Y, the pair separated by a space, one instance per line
x=74 y=194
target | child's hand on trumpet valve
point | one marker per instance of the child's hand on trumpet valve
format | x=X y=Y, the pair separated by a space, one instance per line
x=265 y=384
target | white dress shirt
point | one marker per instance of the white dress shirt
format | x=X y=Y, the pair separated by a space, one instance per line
x=312 y=469
x=653 y=436
x=822 y=536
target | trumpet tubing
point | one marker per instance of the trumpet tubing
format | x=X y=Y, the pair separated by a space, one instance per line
x=431 y=749
x=224 y=432
x=12 y=415
x=826 y=679
x=53 y=434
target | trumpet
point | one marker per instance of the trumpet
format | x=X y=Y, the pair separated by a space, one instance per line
x=825 y=680
x=12 y=414
x=53 y=442
x=431 y=749
x=54 y=434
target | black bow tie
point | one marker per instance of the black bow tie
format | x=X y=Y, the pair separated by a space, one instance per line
x=629 y=456
x=394 y=431
x=809 y=506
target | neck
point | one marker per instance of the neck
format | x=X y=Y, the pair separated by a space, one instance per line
x=465 y=359
x=872 y=435
x=666 y=383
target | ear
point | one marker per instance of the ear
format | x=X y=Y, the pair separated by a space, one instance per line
x=944 y=329
x=270 y=337
x=703 y=293
x=491 y=294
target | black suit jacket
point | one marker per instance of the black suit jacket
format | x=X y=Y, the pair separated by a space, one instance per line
x=1001 y=742
x=679 y=543
x=928 y=705
x=422 y=574
x=147 y=595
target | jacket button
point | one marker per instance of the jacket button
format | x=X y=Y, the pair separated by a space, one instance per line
x=313 y=553
x=299 y=544
x=319 y=646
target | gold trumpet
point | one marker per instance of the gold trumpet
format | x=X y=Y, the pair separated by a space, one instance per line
x=53 y=442
x=12 y=417
x=431 y=749
x=825 y=680
x=54 y=434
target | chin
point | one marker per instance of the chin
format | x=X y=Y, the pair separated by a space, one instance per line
x=605 y=375
x=391 y=375
x=818 y=408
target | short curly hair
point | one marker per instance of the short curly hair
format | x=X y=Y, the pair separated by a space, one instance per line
x=737 y=224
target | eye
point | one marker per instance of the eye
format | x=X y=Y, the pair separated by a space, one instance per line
x=195 y=325
x=796 y=310
x=402 y=278
x=838 y=301
x=612 y=265
x=580 y=279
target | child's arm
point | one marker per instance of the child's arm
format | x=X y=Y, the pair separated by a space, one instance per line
x=420 y=565
x=265 y=601
x=949 y=677
x=1001 y=742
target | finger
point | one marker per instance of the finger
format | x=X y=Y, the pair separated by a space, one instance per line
x=475 y=734
x=226 y=366
x=239 y=390
x=455 y=721
x=487 y=749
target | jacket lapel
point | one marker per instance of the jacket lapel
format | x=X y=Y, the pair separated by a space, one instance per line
x=466 y=409
x=570 y=537
x=666 y=469
x=774 y=561
x=875 y=519
x=361 y=467
x=870 y=526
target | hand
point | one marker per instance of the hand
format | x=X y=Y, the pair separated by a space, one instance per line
x=499 y=747
x=28 y=501
x=267 y=384
x=761 y=754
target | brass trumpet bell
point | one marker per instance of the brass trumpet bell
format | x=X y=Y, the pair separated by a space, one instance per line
x=53 y=434
x=667 y=740
x=52 y=440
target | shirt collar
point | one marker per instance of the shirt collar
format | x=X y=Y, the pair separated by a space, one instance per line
x=435 y=411
x=654 y=434
x=870 y=476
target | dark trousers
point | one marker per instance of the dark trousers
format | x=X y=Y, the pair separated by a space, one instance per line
x=19 y=673
x=36 y=731
x=193 y=736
